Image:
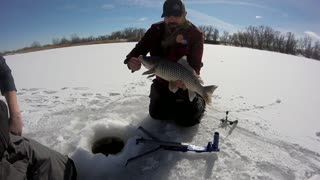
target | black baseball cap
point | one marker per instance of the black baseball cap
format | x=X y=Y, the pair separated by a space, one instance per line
x=173 y=8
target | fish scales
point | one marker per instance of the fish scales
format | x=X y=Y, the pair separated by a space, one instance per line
x=174 y=71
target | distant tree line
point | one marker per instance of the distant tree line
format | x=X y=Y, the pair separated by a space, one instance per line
x=126 y=35
x=257 y=37
x=264 y=38
x=129 y=34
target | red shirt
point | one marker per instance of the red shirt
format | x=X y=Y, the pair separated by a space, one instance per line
x=191 y=45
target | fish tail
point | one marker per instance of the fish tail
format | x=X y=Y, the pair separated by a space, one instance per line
x=208 y=91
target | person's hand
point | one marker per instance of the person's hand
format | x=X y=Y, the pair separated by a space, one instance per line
x=134 y=64
x=180 y=84
x=15 y=123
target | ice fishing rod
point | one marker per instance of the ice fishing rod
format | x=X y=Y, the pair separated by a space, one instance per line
x=174 y=146
x=225 y=121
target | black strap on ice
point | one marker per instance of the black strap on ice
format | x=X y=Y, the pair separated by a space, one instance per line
x=174 y=146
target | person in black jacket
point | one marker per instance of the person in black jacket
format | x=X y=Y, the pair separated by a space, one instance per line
x=8 y=89
x=171 y=39
x=20 y=157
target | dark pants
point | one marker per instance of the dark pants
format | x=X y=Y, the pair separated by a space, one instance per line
x=25 y=158
x=166 y=105
x=4 y=128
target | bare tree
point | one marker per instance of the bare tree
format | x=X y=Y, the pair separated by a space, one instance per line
x=305 y=46
x=210 y=33
x=102 y=38
x=291 y=43
x=259 y=34
x=268 y=36
x=316 y=50
x=130 y=34
x=225 y=38
x=207 y=31
x=55 y=41
x=35 y=44
x=64 y=40
x=140 y=33
x=264 y=36
x=251 y=32
x=243 y=39
x=235 y=39
x=202 y=28
x=75 y=38
x=279 y=42
x=215 y=35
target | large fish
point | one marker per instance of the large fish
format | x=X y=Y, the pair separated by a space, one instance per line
x=172 y=71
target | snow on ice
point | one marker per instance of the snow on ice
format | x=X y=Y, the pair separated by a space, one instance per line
x=71 y=97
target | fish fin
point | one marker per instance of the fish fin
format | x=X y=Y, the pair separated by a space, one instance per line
x=200 y=79
x=151 y=71
x=173 y=86
x=184 y=62
x=208 y=91
x=192 y=95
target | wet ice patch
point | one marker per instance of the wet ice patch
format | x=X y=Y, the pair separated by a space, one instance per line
x=275 y=171
x=114 y=94
x=315 y=177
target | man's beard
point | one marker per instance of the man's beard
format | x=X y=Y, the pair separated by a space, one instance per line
x=173 y=26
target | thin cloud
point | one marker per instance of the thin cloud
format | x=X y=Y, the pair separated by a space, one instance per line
x=247 y=3
x=310 y=7
x=204 y=19
x=74 y=7
x=141 y=3
x=107 y=6
x=142 y=19
x=258 y=17
x=228 y=2
x=313 y=35
x=285 y=15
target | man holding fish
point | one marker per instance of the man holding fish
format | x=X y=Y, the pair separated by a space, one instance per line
x=176 y=48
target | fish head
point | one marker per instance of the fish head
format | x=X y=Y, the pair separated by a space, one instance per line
x=149 y=62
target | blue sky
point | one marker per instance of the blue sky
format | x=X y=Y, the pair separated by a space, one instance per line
x=25 y=21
